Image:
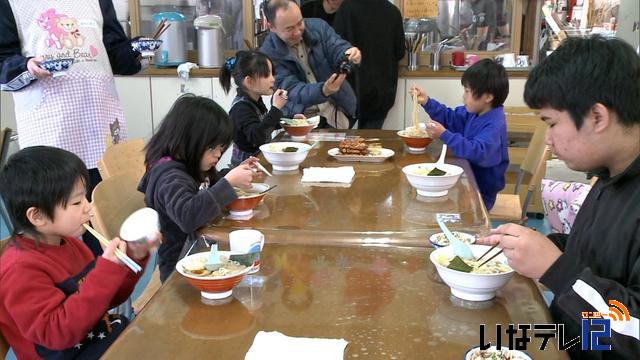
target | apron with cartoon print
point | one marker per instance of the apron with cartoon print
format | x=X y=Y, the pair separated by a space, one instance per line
x=79 y=111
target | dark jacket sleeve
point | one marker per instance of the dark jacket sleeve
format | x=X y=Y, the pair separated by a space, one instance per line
x=256 y=131
x=13 y=66
x=399 y=43
x=124 y=60
x=188 y=207
x=559 y=240
x=577 y=288
x=342 y=23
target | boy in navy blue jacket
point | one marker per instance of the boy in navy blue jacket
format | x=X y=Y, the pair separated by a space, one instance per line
x=476 y=131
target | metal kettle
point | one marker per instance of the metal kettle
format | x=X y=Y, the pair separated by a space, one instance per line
x=173 y=50
x=210 y=40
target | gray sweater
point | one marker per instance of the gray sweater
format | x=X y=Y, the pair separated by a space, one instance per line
x=182 y=207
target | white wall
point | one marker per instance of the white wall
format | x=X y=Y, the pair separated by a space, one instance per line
x=449 y=91
x=146 y=100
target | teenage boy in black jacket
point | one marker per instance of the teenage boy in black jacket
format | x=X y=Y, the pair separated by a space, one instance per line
x=588 y=93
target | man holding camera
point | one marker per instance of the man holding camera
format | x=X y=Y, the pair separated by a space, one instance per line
x=311 y=62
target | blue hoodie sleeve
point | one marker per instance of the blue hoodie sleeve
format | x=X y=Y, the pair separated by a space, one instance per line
x=452 y=119
x=484 y=149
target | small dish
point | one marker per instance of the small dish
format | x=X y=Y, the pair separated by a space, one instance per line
x=145 y=46
x=440 y=240
x=57 y=67
x=492 y=353
x=384 y=155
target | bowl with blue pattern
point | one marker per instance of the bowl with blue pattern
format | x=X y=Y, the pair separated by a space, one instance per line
x=57 y=66
x=146 y=46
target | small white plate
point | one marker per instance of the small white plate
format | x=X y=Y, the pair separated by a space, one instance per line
x=384 y=155
x=440 y=240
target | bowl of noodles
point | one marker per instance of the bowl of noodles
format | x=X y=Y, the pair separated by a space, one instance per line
x=213 y=285
x=430 y=180
x=299 y=128
x=480 y=284
x=416 y=140
x=492 y=353
x=247 y=199
x=285 y=156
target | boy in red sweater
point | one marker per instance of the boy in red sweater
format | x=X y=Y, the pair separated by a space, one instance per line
x=54 y=295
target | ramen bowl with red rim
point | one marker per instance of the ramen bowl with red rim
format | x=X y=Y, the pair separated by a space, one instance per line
x=247 y=199
x=299 y=128
x=212 y=287
x=416 y=143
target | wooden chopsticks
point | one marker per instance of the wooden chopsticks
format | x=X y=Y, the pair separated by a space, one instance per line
x=488 y=251
x=161 y=28
x=263 y=169
x=119 y=254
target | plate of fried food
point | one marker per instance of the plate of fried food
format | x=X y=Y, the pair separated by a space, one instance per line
x=361 y=151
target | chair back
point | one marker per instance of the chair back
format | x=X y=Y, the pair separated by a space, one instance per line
x=4 y=345
x=114 y=199
x=536 y=178
x=532 y=156
x=5 y=139
x=535 y=150
x=123 y=157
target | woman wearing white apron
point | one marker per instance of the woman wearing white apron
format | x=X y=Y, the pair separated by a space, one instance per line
x=78 y=111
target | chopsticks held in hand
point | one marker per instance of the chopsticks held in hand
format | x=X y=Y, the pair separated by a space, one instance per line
x=488 y=251
x=263 y=169
x=119 y=254
x=162 y=27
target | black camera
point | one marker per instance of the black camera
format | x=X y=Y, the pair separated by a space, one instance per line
x=345 y=66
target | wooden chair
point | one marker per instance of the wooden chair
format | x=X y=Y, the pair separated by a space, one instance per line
x=114 y=199
x=4 y=345
x=123 y=157
x=510 y=207
x=5 y=139
x=522 y=123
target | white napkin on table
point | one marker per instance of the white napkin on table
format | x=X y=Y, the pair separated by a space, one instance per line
x=275 y=345
x=342 y=174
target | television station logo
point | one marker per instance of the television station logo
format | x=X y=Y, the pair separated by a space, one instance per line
x=596 y=326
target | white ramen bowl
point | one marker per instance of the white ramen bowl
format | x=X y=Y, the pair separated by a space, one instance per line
x=432 y=186
x=141 y=226
x=469 y=286
x=285 y=161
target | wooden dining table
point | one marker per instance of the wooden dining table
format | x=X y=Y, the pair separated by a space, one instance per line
x=386 y=301
x=379 y=206
x=348 y=262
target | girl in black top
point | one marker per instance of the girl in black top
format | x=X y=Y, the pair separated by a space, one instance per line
x=252 y=71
